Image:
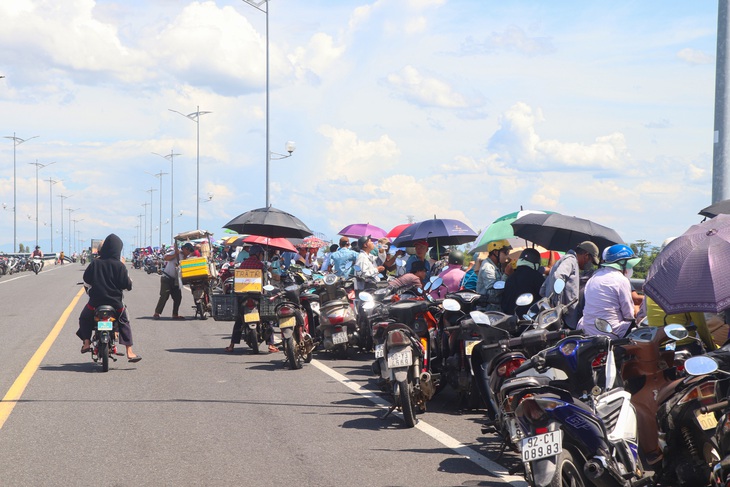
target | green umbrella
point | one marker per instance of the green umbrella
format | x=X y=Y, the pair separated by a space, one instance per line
x=499 y=229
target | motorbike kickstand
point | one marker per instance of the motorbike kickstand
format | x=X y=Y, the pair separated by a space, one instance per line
x=390 y=410
x=502 y=449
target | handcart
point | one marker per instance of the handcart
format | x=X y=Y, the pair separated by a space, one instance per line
x=199 y=272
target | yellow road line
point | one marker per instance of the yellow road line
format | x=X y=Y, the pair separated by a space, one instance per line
x=18 y=387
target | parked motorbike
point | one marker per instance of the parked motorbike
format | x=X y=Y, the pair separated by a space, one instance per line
x=690 y=435
x=582 y=429
x=337 y=320
x=202 y=290
x=294 y=324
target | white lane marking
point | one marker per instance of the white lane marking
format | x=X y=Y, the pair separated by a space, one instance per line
x=438 y=435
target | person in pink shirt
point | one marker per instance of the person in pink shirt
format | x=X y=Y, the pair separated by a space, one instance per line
x=452 y=275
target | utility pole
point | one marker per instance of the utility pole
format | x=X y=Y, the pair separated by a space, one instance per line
x=721 y=146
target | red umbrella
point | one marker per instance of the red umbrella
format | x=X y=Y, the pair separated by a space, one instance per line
x=312 y=243
x=277 y=243
x=397 y=230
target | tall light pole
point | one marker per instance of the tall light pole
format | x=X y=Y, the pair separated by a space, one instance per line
x=141 y=230
x=70 y=210
x=150 y=191
x=144 y=228
x=16 y=142
x=170 y=157
x=195 y=117
x=63 y=197
x=159 y=176
x=51 y=182
x=289 y=145
x=38 y=166
x=74 y=233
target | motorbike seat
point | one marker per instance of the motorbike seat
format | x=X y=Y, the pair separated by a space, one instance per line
x=336 y=303
x=105 y=308
x=521 y=382
x=406 y=311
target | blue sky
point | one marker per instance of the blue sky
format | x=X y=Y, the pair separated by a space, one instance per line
x=399 y=108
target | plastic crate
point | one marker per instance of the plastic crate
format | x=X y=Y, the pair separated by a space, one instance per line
x=267 y=309
x=193 y=269
x=225 y=306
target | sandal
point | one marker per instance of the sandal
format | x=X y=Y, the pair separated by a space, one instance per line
x=273 y=349
x=229 y=349
x=86 y=349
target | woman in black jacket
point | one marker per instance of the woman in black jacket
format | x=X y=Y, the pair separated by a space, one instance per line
x=105 y=280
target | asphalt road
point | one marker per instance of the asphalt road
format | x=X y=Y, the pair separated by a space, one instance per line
x=190 y=414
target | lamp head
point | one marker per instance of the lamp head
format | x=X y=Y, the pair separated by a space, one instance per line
x=290 y=146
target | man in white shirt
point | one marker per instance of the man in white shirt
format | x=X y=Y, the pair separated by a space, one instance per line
x=365 y=258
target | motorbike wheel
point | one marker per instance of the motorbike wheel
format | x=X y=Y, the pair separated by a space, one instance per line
x=568 y=473
x=290 y=347
x=104 y=354
x=36 y=269
x=406 y=405
x=253 y=340
x=201 y=309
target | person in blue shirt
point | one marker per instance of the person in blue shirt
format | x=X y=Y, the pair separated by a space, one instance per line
x=421 y=250
x=339 y=259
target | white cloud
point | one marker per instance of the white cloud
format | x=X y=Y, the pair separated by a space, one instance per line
x=694 y=56
x=512 y=39
x=351 y=158
x=421 y=90
x=518 y=143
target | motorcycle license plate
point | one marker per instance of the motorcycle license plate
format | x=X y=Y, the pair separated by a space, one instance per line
x=379 y=351
x=288 y=322
x=105 y=325
x=542 y=446
x=400 y=359
x=707 y=420
x=251 y=317
x=340 y=337
x=469 y=346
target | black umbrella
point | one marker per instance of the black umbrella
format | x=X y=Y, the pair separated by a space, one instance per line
x=719 y=208
x=561 y=232
x=269 y=222
x=438 y=231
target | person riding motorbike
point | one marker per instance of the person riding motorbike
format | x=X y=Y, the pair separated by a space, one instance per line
x=411 y=280
x=493 y=269
x=106 y=279
x=608 y=292
x=526 y=278
x=38 y=253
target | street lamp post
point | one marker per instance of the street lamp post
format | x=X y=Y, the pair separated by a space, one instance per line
x=74 y=234
x=16 y=142
x=70 y=210
x=195 y=117
x=150 y=191
x=51 y=182
x=144 y=228
x=289 y=145
x=38 y=166
x=170 y=158
x=63 y=197
x=159 y=176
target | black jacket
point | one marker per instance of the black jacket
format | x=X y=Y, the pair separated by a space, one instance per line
x=107 y=276
x=523 y=280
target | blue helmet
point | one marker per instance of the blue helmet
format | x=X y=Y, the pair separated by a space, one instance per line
x=620 y=257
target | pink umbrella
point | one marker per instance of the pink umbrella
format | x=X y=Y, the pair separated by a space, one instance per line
x=312 y=243
x=277 y=243
x=397 y=230
x=357 y=230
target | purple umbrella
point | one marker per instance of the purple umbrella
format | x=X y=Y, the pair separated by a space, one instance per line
x=438 y=231
x=691 y=273
x=357 y=230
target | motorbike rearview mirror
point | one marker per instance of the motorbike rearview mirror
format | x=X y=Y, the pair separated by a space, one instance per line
x=480 y=318
x=610 y=369
x=558 y=286
x=604 y=326
x=499 y=285
x=676 y=332
x=307 y=272
x=357 y=268
x=451 y=305
x=292 y=262
x=365 y=296
x=269 y=288
x=701 y=365
x=524 y=299
x=434 y=283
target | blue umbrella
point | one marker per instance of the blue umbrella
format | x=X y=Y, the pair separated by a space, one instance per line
x=438 y=231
